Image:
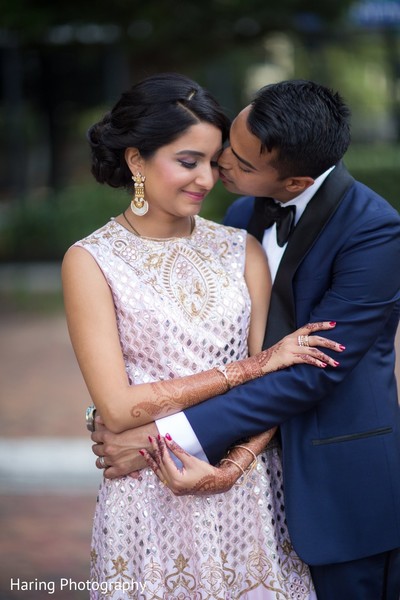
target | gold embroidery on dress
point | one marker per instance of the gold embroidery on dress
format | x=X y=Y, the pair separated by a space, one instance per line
x=120 y=566
x=189 y=282
x=182 y=307
x=180 y=577
x=216 y=577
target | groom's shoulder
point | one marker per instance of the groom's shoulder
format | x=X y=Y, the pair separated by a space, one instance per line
x=239 y=212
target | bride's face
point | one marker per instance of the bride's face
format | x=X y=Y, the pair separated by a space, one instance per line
x=181 y=174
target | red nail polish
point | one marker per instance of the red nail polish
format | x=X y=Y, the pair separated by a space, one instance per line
x=168 y=437
x=141 y=452
x=342 y=347
x=323 y=365
x=159 y=437
x=150 y=439
x=332 y=323
x=336 y=363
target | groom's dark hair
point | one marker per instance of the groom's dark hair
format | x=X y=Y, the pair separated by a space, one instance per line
x=306 y=124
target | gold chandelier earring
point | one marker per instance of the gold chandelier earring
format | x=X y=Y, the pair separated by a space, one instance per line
x=139 y=206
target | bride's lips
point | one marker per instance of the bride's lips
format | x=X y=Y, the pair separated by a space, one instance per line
x=197 y=196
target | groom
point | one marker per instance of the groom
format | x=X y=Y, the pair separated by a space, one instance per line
x=334 y=251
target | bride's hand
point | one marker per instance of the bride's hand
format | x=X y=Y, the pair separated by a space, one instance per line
x=196 y=476
x=301 y=347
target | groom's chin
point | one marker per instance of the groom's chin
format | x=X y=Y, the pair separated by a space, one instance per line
x=229 y=185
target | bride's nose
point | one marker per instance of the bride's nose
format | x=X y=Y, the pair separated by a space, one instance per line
x=207 y=177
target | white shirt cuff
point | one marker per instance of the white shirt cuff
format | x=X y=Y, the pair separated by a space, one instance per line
x=182 y=433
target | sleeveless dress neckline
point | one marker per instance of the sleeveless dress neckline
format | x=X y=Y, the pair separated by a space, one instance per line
x=154 y=239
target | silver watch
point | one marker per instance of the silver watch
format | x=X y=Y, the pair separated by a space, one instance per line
x=90 y=415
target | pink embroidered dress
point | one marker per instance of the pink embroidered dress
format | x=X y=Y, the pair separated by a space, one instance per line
x=182 y=307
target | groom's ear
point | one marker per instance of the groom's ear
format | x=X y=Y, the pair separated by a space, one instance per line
x=297 y=185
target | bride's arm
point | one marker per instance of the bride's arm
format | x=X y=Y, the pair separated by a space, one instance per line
x=93 y=329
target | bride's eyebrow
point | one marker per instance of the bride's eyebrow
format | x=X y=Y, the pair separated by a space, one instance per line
x=191 y=152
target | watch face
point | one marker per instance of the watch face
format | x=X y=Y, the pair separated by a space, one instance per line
x=90 y=414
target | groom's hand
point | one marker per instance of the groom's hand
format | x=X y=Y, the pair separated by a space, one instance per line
x=121 y=450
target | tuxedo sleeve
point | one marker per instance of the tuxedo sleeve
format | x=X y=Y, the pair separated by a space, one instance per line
x=363 y=296
x=178 y=427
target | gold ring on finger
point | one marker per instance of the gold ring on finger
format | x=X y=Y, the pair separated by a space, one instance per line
x=302 y=340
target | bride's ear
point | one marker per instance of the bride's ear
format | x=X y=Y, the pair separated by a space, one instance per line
x=133 y=159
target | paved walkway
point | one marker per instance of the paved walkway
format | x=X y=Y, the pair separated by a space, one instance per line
x=48 y=480
x=47 y=475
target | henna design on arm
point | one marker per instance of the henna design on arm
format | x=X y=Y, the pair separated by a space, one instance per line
x=228 y=473
x=243 y=454
x=254 y=366
x=167 y=397
x=164 y=398
x=220 y=480
x=197 y=477
x=244 y=370
x=210 y=484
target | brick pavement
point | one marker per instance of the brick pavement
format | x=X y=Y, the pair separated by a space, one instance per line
x=44 y=536
x=42 y=391
x=45 y=532
x=47 y=539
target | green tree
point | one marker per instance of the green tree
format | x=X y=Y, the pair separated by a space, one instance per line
x=167 y=29
x=61 y=57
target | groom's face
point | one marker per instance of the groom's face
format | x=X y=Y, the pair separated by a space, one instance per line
x=244 y=170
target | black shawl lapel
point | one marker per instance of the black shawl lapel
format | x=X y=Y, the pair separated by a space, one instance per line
x=322 y=206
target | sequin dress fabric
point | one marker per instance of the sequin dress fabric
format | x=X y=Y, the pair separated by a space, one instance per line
x=182 y=307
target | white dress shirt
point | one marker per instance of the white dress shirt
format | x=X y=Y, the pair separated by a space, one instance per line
x=178 y=425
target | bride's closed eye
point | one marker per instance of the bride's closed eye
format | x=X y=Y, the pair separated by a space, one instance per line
x=187 y=164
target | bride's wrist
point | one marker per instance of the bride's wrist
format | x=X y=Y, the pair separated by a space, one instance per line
x=242 y=371
x=240 y=471
x=267 y=362
x=228 y=473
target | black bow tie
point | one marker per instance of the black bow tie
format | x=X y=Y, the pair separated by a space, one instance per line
x=266 y=213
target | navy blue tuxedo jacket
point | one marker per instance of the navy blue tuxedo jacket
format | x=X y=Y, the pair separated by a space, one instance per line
x=340 y=428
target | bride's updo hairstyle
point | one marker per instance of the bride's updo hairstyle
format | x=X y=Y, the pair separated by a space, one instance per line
x=152 y=114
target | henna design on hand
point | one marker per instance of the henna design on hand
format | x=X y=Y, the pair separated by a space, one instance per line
x=198 y=477
x=177 y=449
x=150 y=461
x=217 y=483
